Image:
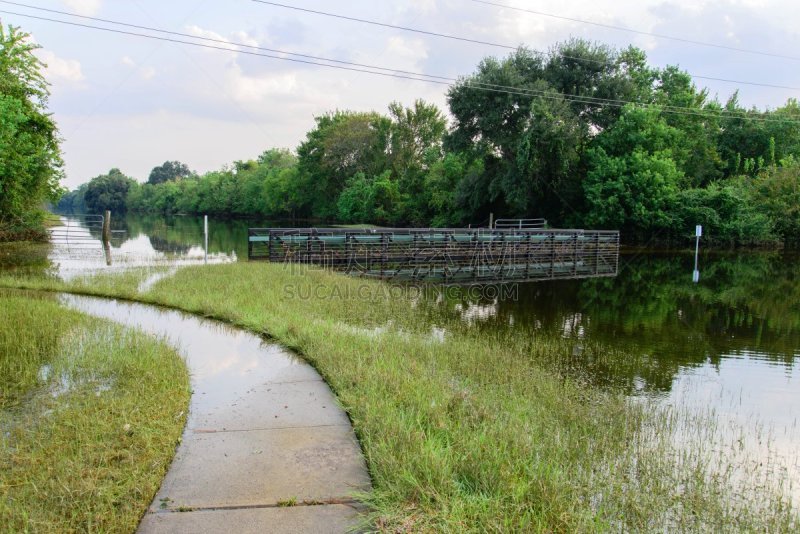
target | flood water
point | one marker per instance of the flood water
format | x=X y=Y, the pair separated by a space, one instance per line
x=729 y=344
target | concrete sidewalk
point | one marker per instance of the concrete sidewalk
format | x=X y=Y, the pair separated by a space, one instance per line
x=266 y=447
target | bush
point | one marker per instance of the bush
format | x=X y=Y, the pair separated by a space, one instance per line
x=727 y=213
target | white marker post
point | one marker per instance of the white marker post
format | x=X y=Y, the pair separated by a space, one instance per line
x=205 y=233
x=698 y=232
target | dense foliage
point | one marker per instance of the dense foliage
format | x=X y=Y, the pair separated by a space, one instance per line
x=30 y=158
x=168 y=171
x=585 y=135
x=108 y=192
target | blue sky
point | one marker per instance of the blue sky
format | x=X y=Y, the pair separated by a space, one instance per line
x=132 y=103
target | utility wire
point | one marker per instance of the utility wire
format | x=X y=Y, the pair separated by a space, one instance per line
x=498 y=45
x=384 y=25
x=639 y=32
x=278 y=51
x=582 y=98
x=414 y=77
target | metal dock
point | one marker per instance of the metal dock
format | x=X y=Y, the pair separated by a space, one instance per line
x=443 y=255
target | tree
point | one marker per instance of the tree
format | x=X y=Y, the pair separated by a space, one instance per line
x=30 y=157
x=532 y=139
x=726 y=211
x=416 y=144
x=372 y=200
x=108 y=192
x=548 y=160
x=341 y=145
x=698 y=119
x=74 y=201
x=777 y=193
x=595 y=73
x=633 y=176
x=168 y=172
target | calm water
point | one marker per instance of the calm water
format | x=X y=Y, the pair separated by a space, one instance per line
x=729 y=344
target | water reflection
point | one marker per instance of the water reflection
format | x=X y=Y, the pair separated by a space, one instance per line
x=77 y=248
x=225 y=363
x=725 y=347
x=660 y=322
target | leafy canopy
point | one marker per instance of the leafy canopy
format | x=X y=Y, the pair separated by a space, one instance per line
x=30 y=156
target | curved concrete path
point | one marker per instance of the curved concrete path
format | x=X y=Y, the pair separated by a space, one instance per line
x=266 y=446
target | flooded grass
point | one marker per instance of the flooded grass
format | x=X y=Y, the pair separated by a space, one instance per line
x=467 y=431
x=90 y=417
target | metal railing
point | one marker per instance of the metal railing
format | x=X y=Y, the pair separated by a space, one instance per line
x=521 y=224
x=79 y=231
x=443 y=255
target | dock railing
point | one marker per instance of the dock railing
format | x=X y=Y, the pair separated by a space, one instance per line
x=443 y=255
x=521 y=224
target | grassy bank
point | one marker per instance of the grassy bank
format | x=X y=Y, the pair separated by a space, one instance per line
x=90 y=415
x=468 y=430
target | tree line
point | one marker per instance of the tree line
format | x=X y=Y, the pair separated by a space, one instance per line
x=30 y=157
x=585 y=136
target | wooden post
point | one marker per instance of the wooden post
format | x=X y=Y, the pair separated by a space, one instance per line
x=107 y=227
x=107 y=237
x=491 y=221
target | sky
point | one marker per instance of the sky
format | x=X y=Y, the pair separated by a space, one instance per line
x=132 y=103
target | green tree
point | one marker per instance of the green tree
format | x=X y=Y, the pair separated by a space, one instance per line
x=30 y=158
x=777 y=193
x=594 y=72
x=74 y=201
x=698 y=119
x=416 y=143
x=168 y=172
x=373 y=200
x=532 y=139
x=447 y=190
x=108 y=192
x=726 y=211
x=341 y=145
x=633 y=176
x=744 y=140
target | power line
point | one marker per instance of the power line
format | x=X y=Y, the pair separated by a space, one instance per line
x=278 y=51
x=585 y=99
x=639 y=32
x=489 y=43
x=385 y=25
x=221 y=41
x=412 y=76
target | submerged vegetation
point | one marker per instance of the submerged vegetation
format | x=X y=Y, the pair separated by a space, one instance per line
x=465 y=429
x=90 y=415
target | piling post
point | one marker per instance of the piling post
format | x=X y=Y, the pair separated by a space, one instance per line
x=698 y=233
x=205 y=239
x=106 y=237
x=107 y=227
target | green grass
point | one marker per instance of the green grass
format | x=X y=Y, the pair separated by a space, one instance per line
x=478 y=431
x=90 y=417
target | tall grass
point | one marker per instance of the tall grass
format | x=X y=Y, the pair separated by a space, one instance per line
x=90 y=420
x=469 y=430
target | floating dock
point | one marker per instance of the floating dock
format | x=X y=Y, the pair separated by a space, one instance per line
x=443 y=255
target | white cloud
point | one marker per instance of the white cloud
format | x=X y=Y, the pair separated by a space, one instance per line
x=145 y=72
x=206 y=34
x=251 y=89
x=84 y=7
x=237 y=37
x=245 y=38
x=60 y=69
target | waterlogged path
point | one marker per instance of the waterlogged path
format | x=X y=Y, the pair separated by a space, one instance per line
x=266 y=447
